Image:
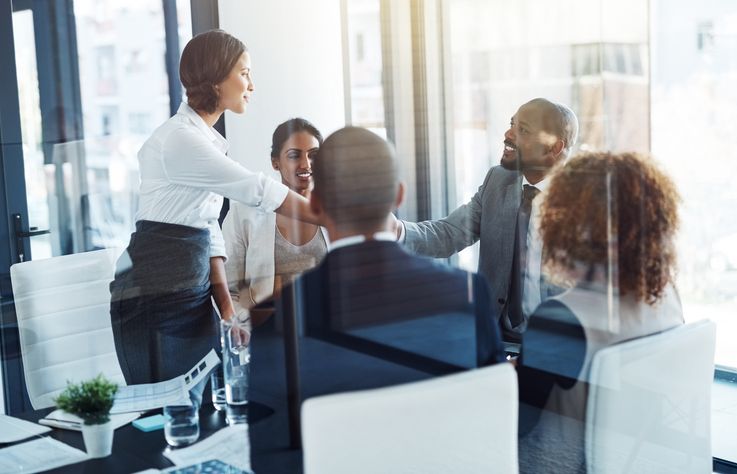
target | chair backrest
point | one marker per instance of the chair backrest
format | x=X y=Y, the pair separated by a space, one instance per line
x=464 y=422
x=63 y=310
x=649 y=403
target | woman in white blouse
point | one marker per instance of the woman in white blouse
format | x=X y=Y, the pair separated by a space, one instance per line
x=267 y=251
x=161 y=311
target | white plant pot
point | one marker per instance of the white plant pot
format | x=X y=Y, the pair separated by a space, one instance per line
x=98 y=439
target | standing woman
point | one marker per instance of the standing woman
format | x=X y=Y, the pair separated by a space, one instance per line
x=161 y=311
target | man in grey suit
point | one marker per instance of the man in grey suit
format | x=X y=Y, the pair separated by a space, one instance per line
x=541 y=135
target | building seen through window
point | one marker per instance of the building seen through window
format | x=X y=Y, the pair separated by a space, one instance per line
x=80 y=146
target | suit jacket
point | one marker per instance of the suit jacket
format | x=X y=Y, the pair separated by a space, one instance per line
x=490 y=216
x=379 y=282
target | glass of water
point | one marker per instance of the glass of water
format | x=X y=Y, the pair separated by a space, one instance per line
x=217 y=386
x=181 y=424
x=236 y=360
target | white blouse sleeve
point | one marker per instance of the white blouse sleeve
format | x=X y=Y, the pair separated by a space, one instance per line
x=217 y=243
x=191 y=160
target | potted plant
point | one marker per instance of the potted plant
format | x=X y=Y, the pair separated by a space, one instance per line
x=92 y=401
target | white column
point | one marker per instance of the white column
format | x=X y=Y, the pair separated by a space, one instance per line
x=297 y=64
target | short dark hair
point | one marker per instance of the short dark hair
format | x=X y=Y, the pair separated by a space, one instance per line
x=356 y=178
x=206 y=61
x=289 y=128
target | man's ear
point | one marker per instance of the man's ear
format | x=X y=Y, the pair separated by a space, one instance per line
x=400 y=195
x=557 y=148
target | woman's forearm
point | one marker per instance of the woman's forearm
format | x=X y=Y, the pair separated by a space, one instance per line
x=297 y=207
x=219 y=287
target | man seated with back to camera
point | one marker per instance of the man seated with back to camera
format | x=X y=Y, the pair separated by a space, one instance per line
x=367 y=278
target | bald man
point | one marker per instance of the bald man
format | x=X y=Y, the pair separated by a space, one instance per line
x=367 y=278
x=541 y=135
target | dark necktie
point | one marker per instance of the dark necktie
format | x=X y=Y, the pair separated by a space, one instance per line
x=519 y=261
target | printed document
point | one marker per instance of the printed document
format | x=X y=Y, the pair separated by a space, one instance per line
x=67 y=421
x=175 y=391
x=38 y=455
x=15 y=429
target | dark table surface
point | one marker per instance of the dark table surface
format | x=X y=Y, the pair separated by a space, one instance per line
x=133 y=449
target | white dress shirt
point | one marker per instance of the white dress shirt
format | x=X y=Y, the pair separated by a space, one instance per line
x=185 y=174
x=531 y=296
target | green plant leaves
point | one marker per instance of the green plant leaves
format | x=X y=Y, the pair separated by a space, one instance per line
x=90 y=400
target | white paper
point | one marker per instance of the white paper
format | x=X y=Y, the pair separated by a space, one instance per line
x=15 y=429
x=175 y=391
x=38 y=455
x=229 y=445
x=67 y=421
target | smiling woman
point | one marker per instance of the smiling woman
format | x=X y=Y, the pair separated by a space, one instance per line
x=253 y=272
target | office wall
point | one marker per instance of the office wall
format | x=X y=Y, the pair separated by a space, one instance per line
x=297 y=65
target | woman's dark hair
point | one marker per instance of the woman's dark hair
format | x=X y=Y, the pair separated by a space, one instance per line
x=289 y=128
x=206 y=61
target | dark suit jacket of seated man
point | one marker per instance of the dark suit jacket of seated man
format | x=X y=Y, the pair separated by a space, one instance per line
x=365 y=283
x=367 y=278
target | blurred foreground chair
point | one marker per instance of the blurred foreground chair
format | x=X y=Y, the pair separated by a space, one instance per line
x=63 y=310
x=464 y=422
x=649 y=403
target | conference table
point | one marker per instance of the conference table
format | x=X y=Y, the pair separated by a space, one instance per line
x=133 y=449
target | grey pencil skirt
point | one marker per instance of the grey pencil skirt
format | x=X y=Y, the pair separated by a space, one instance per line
x=162 y=316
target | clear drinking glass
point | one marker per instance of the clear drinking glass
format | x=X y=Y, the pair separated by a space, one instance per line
x=236 y=360
x=217 y=387
x=181 y=425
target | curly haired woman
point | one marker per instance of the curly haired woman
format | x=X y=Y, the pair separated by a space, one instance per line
x=608 y=224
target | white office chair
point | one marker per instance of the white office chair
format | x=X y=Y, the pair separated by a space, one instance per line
x=464 y=422
x=649 y=403
x=63 y=310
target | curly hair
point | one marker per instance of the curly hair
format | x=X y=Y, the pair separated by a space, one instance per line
x=643 y=204
x=206 y=61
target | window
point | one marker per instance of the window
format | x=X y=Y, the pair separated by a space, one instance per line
x=636 y=79
x=81 y=137
x=365 y=65
x=694 y=112
x=139 y=123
